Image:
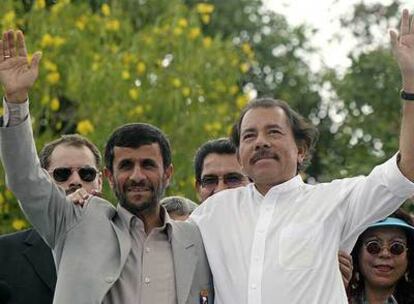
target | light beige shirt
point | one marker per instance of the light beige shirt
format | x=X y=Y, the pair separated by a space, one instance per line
x=148 y=274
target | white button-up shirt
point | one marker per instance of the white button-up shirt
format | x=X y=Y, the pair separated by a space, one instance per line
x=282 y=247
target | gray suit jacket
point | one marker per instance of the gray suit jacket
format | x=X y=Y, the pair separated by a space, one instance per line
x=90 y=249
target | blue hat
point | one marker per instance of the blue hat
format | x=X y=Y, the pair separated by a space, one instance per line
x=393 y=222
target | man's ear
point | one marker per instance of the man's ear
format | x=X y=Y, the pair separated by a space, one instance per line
x=168 y=173
x=108 y=174
x=302 y=152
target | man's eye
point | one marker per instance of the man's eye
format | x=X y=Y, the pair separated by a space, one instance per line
x=149 y=164
x=248 y=135
x=125 y=165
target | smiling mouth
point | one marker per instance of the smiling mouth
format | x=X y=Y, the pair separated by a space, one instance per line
x=383 y=268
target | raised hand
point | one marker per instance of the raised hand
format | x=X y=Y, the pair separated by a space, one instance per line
x=16 y=74
x=403 y=49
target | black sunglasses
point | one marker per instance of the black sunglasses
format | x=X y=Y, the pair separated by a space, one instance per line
x=62 y=174
x=375 y=247
x=230 y=179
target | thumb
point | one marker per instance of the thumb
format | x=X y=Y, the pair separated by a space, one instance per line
x=35 y=61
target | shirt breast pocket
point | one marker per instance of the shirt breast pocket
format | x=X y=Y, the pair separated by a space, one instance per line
x=299 y=246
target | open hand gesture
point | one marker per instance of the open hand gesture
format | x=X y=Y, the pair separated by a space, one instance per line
x=403 y=47
x=16 y=74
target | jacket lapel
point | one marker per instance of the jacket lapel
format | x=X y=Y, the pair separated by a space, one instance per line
x=39 y=255
x=185 y=261
x=123 y=240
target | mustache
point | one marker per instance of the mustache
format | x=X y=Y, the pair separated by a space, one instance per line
x=141 y=184
x=72 y=189
x=263 y=153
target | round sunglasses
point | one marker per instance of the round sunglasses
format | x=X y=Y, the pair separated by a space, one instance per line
x=375 y=247
x=62 y=174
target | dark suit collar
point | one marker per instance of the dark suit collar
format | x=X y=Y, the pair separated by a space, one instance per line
x=40 y=257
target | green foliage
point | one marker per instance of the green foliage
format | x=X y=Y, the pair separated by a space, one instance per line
x=99 y=71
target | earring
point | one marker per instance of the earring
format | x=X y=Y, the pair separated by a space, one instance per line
x=357 y=276
x=407 y=279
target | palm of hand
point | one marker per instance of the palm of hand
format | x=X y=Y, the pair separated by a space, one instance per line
x=15 y=74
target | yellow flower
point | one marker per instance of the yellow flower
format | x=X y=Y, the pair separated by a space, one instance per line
x=176 y=82
x=205 y=18
x=233 y=90
x=126 y=75
x=40 y=4
x=50 y=66
x=8 y=18
x=183 y=22
x=81 y=23
x=2 y=199
x=138 y=110
x=106 y=10
x=141 y=68
x=112 y=25
x=244 y=67
x=47 y=40
x=19 y=224
x=194 y=32
x=54 y=104
x=95 y=66
x=134 y=93
x=127 y=58
x=207 y=41
x=53 y=78
x=45 y=100
x=85 y=127
x=177 y=31
x=58 y=41
x=241 y=101
x=186 y=91
x=205 y=8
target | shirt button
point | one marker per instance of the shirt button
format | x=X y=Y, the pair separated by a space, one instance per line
x=254 y=286
x=147 y=280
x=147 y=249
x=109 y=279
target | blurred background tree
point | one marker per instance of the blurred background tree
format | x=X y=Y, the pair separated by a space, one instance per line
x=189 y=66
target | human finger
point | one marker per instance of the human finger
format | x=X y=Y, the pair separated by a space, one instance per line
x=6 y=53
x=405 y=23
x=21 y=45
x=11 y=41
x=393 y=38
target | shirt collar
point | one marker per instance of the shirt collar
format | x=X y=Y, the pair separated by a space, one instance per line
x=293 y=183
x=127 y=218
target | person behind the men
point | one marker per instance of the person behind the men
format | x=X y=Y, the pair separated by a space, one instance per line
x=132 y=253
x=281 y=237
x=179 y=208
x=216 y=168
x=383 y=265
x=26 y=262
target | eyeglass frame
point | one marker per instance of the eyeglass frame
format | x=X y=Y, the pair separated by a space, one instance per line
x=72 y=169
x=387 y=245
x=223 y=178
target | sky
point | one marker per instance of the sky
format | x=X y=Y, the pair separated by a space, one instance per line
x=324 y=16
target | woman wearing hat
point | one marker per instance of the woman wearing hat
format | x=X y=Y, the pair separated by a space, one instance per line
x=383 y=269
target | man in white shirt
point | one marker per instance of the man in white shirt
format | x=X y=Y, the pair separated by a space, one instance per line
x=276 y=240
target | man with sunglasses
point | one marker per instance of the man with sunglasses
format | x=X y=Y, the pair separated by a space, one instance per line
x=132 y=253
x=217 y=168
x=26 y=262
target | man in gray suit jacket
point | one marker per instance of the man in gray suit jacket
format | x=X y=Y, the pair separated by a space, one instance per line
x=132 y=253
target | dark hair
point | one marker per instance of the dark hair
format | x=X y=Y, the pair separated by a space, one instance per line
x=136 y=135
x=219 y=146
x=404 y=290
x=304 y=132
x=178 y=205
x=74 y=140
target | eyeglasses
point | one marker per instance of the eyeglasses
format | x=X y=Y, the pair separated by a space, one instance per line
x=231 y=180
x=62 y=174
x=375 y=247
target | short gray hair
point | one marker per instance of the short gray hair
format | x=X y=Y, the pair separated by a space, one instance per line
x=178 y=205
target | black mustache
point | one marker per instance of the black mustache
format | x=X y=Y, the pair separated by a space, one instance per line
x=140 y=184
x=72 y=189
x=263 y=153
